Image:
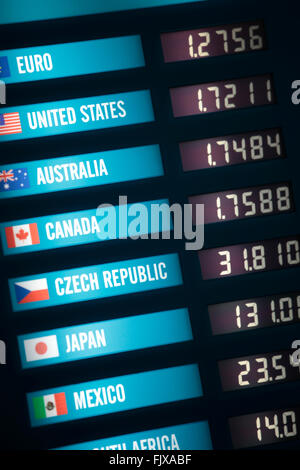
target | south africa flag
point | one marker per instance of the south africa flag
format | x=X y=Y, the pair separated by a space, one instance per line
x=48 y=406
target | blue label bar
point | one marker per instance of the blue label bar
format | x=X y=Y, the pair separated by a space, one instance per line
x=191 y=436
x=113 y=395
x=71 y=59
x=18 y=11
x=81 y=114
x=104 y=338
x=83 y=227
x=95 y=282
x=80 y=171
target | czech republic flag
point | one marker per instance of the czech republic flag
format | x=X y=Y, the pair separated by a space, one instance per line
x=31 y=291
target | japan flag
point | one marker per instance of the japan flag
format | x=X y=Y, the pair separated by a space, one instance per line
x=37 y=349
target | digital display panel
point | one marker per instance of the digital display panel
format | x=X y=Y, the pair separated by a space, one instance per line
x=55 y=61
x=222 y=96
x=81 y=114
x=242 y=203
x=17 y=11
x=95 y=282
x=80 y=171
x=113 y=343
x=213 y=41
x=258 y=370
x=269 y=427
x=76 y=228
x=191 y=436
x=250 y=314
x=247 y=258
x=232 y=150
x=102 y=338
x=115 y=394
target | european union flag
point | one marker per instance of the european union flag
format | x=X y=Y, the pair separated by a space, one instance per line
x=4 y=67
x=11 y=180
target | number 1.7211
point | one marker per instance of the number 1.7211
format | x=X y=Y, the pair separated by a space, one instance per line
x=222 y=96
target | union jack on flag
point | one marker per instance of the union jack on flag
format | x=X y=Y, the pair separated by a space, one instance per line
x=7 y=176
x=10 y=124
x=11 y=180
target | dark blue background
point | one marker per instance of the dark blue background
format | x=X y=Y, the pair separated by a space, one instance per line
x=281 y=58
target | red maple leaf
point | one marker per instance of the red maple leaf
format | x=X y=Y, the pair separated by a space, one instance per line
x=22 y=235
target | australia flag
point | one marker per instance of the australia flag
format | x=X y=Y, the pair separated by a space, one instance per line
x=12 y=180
x=4 y=67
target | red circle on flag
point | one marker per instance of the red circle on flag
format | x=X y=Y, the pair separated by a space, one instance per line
x=41 y=348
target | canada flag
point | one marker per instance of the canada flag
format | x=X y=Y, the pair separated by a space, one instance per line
x=22 y=235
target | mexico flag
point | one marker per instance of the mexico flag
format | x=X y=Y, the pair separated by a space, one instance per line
x=44 y=347
x=49 y=406
x=22 y=235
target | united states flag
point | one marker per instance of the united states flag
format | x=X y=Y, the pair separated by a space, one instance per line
x=10 y=124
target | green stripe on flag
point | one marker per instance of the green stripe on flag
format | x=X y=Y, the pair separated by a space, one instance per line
x=39 y=408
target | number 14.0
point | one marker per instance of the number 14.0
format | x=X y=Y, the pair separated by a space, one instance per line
x=289 y=425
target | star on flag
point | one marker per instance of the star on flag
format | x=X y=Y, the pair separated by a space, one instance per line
x=4 y=67
x=14 y=179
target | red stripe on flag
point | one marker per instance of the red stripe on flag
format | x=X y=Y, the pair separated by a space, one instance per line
x=18 y=130
x=12 y=124
x=34 y=234
x=36 y=296
x=8 y=128
x=11 y=128
x=10 y=238
x=61 y=404
x=11 y=132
